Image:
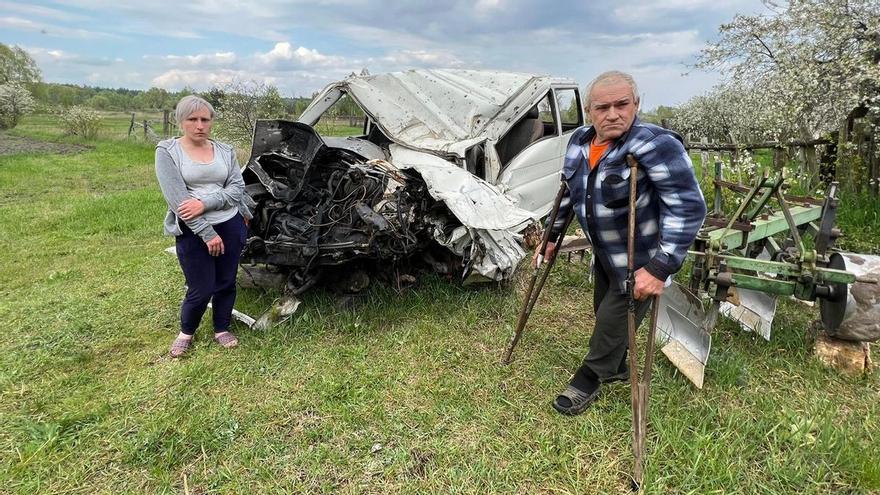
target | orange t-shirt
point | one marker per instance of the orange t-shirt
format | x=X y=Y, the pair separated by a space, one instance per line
x=596 y=152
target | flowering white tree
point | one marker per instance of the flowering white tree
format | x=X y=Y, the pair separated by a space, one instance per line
x=729 y=113
x=16 y=65
x=15 y=101
x=795 y=72
x=811 y=62
x=81 y=121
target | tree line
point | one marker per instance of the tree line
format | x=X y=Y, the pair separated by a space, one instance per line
x=56 y=95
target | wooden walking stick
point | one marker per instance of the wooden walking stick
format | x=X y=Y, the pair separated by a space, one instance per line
x=645 y=383
x=631 y=325
x=533 y=292
x=640 y=387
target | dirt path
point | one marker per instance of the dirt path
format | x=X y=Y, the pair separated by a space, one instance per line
x=13 y=145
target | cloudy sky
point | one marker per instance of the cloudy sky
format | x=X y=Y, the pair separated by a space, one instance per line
x=302 y=45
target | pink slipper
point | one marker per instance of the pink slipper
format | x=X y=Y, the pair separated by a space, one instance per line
x=179 y=347
x=226 y=340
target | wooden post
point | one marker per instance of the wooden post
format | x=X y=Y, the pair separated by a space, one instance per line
x=719 y=176
x=166 y=125
x=734 y=155
x=811 y=165
x=778 y=159
x=860 y=136
x=704 y=158
x=842 y=165
x=131 y=125
x=874 y=165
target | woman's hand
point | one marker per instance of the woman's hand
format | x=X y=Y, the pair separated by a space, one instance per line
x=190 y=209
x=215 y=246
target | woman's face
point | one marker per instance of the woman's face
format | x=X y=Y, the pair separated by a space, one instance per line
x=197 y=126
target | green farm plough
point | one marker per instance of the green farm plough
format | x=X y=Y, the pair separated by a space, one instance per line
x=773 y=245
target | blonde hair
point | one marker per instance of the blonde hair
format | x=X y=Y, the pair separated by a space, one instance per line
x=189 y=105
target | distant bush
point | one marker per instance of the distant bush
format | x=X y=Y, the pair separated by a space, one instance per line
x=15 y=101
x=80 y=121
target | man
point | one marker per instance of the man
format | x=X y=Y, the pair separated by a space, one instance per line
x=669 y=212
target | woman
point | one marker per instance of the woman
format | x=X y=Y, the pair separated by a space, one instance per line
x=207 y=207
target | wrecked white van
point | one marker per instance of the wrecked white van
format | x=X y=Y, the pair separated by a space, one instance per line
x=454 y=161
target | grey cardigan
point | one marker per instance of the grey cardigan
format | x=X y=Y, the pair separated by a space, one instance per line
x=168 y=159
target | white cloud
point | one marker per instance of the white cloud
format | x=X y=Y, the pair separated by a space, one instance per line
x=114 y=79
x=219 y=59
x=405 y=58
x=283 y=52
x=19 y=24
x=204 y=79
x=57 y=57
x=485 y=6
x=40 y=11
x=637 y=11
x=288 y=83
x=645 y=47
x=49 y=54
x=379 y=37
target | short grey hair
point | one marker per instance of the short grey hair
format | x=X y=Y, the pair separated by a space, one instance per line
x=189 y=105
x=609 y=77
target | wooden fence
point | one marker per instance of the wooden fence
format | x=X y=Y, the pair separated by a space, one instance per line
x=136 y=127
x=812 y=161
x=856 y=144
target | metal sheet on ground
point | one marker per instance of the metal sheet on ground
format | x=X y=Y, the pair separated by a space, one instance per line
x=683 y=327
x=754 y=313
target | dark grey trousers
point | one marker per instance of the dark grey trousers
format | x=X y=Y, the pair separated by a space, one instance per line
x=610 y=340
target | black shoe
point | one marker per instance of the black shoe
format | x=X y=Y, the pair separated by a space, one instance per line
x=573 y=401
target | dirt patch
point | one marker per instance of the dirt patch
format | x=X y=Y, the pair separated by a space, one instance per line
x=13 y=145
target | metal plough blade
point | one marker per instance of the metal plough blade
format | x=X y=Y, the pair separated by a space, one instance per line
x=754 y=313
x=683 y=327
x=755 y=310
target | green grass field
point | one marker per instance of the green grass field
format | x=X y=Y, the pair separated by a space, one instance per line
x=403 y=394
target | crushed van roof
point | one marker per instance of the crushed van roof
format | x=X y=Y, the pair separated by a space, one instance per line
x=440 y=110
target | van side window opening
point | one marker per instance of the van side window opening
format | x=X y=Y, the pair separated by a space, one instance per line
x=538 y=122
x=570 y=110
x=343 y=118
x=548 y=119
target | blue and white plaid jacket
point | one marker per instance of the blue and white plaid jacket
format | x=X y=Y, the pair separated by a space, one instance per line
x=670 y=207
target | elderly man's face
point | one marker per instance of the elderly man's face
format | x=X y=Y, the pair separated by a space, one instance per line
x=613 y=108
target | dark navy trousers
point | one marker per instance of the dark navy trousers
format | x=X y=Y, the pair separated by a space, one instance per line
x=610 y=339
x=210 y=277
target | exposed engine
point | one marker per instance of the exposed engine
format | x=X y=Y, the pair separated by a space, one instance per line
x=320 y=206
